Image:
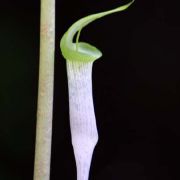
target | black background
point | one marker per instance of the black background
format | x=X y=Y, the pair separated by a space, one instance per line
x=136 y=90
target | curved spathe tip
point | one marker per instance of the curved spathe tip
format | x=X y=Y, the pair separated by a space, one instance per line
x=81 y=51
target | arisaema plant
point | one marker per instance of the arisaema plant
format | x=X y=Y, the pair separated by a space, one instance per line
x=79 y=58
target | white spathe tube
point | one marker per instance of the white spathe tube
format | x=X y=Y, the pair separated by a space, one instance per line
x=82 y=117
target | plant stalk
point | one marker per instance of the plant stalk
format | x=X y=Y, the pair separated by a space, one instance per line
x=84 y=133
x=45 y=91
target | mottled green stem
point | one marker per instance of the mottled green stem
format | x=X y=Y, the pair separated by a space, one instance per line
x=45 y=91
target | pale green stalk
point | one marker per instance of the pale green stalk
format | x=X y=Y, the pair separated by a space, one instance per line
x=45 y=91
